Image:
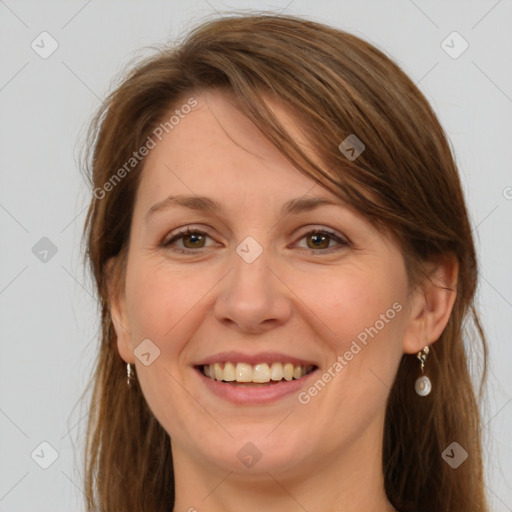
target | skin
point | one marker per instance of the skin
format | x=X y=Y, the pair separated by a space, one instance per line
x=321 y=456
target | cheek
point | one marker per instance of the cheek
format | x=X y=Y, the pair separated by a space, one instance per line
x=355 y=300
x=160 y=303
x=159 y=299
x=365 y=313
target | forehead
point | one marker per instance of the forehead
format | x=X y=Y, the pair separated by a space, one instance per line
x=216 y=149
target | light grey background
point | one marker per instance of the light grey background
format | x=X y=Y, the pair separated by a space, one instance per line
x=48 y=318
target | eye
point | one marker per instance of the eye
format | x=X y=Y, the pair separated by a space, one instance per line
x=319 y=240
x=191 y=239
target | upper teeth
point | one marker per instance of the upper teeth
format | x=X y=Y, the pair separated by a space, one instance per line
x=243 y=372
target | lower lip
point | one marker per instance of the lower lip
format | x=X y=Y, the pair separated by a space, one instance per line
x=254 y=395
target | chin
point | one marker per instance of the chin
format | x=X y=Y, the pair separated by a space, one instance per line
x=258 y=452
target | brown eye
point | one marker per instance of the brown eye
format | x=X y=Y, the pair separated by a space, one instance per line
x=320 y=241
x=190 y=240
x=194 y=240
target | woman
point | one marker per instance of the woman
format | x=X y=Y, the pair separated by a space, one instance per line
x=284 y=261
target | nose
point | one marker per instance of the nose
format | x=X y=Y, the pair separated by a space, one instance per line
x=253 y=298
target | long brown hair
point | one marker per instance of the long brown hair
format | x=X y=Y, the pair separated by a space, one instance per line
x=405 y=182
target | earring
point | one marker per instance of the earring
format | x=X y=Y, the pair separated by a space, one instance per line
x=423 y=386
x=129 y=375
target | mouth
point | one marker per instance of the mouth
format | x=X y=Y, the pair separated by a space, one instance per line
x=254 y=379
x=257 y=375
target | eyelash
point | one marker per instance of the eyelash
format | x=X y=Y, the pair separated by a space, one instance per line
x=187 y=231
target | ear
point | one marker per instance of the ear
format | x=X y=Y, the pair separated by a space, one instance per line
x=432 y=304
x=117 y=304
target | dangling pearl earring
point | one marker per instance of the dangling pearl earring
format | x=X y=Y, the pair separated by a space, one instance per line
x=423 y=386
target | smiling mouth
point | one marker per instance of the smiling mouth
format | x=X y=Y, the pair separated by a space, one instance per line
x=261 y=374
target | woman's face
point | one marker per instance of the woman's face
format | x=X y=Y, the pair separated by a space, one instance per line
x=269 y=276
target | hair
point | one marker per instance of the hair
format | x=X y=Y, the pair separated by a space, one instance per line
x=405 y=182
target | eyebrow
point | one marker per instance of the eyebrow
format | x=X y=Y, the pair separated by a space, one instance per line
x=202 y=203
